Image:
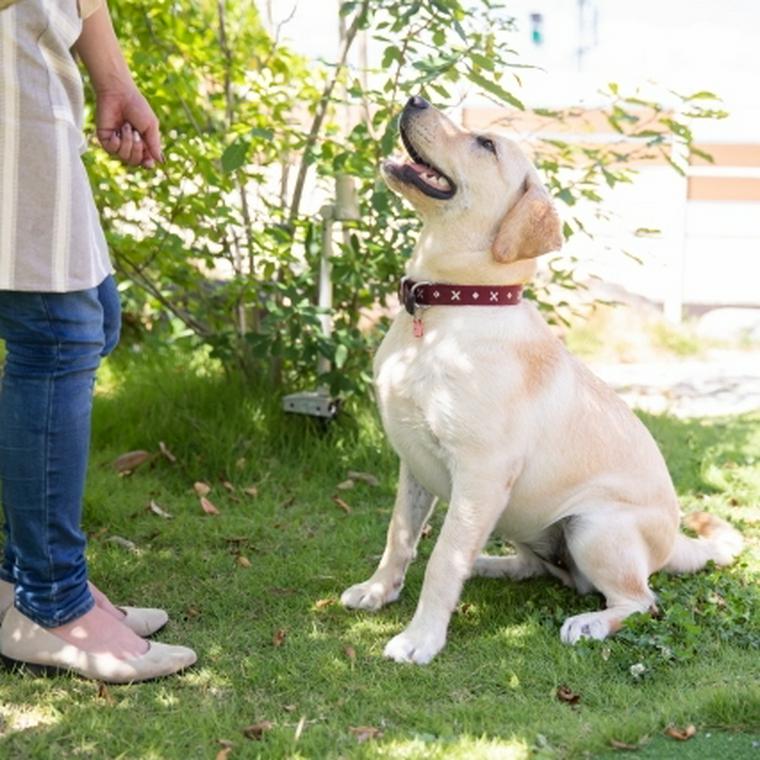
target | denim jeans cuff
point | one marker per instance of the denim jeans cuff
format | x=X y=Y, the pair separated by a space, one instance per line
x=81 y=609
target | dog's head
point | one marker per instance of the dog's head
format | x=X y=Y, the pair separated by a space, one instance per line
x=460 y=177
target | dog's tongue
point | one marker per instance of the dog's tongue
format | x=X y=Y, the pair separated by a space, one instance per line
x=419 y=168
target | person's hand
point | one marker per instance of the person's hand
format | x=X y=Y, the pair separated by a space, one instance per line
x=127 y=127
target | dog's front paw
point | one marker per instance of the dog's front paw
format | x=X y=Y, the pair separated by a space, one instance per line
x=370 y=595
x=418 y=648
x=590 y=625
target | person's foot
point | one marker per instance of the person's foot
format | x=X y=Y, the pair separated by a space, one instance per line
x=144 y=621
x=98 y=632
x=102 y=601
x=95 y=646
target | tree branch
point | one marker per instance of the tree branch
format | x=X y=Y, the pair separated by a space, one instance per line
x=321 y=112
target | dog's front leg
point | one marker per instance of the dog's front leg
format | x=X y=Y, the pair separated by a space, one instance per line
x=410 y=513
x=477 y=501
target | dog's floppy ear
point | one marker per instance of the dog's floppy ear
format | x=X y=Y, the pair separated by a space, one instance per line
x=530 y=228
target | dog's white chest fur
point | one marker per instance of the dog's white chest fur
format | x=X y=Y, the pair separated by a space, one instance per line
x=435 y=391
x=416 y=402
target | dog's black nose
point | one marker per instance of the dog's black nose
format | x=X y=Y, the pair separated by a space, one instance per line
x=417 y=102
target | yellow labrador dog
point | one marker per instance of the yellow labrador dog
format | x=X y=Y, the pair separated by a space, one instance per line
x=489 y=412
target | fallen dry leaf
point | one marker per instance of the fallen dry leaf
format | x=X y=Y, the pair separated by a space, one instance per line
x=256 y=731
x=201 y=488
x=279 y=637
x=346 y=485
x=350 y=652
x=320 y=604
x=289 y=708
x=342 y=504
x=365 y=477
x=129 y=462
x=104 y=694
x=224 y=752
x=124 y=543
x=566 y=694
x=251 y=491
x=282 y=591
x=192 y=612
x=208 y=506
x=363 y=733
x=681 y=734
x=615 y=744
x=240 y=464
x=243 y=561
x=286 y=502
x=164 y=449
x=228 y=486
x=426 y=531
x=157 y=510
x=299 y=728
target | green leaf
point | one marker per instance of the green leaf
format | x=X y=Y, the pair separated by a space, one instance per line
x=234 y=156
x=701 y=95
x=495 y=89
x=341 y=354
x=484 y=61
x=262 y=133
x=565 y=195
x=390 y=55
x=702 y=154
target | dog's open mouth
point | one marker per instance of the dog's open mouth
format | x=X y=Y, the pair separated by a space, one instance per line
x=426 y=177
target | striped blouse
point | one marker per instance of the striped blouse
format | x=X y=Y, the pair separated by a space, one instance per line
x=50 y=235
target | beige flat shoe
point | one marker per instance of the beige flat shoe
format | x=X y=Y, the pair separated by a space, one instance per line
x=23 y=642
x=144 y=621
x=6 y=598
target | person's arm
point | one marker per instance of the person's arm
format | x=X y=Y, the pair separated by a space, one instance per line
x=126 y=124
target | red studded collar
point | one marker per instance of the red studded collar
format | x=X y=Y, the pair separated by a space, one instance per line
x=417 y=296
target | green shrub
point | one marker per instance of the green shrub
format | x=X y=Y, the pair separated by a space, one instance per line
x=215 y=247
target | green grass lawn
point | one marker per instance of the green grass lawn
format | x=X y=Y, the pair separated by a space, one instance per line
x=254 y=590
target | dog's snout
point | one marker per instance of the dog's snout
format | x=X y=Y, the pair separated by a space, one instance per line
x=417 y=102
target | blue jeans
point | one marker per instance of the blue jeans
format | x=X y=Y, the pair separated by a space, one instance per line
x=53 y=343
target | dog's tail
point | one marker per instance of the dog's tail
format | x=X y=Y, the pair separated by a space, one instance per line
x=718 y=541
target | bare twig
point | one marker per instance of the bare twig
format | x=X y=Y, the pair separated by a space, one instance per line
x=230 y=103
x=277 y=32
x=135 y=273
x=321 y=112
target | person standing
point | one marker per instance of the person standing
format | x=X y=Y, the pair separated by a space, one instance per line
x=59 y=314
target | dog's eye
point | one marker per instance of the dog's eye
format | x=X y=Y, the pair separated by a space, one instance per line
x=488 y=144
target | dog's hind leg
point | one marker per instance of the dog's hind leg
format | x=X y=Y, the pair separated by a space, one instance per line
x=412 y=509
x=545 y=555
x=517 y=567
x=616 y=552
